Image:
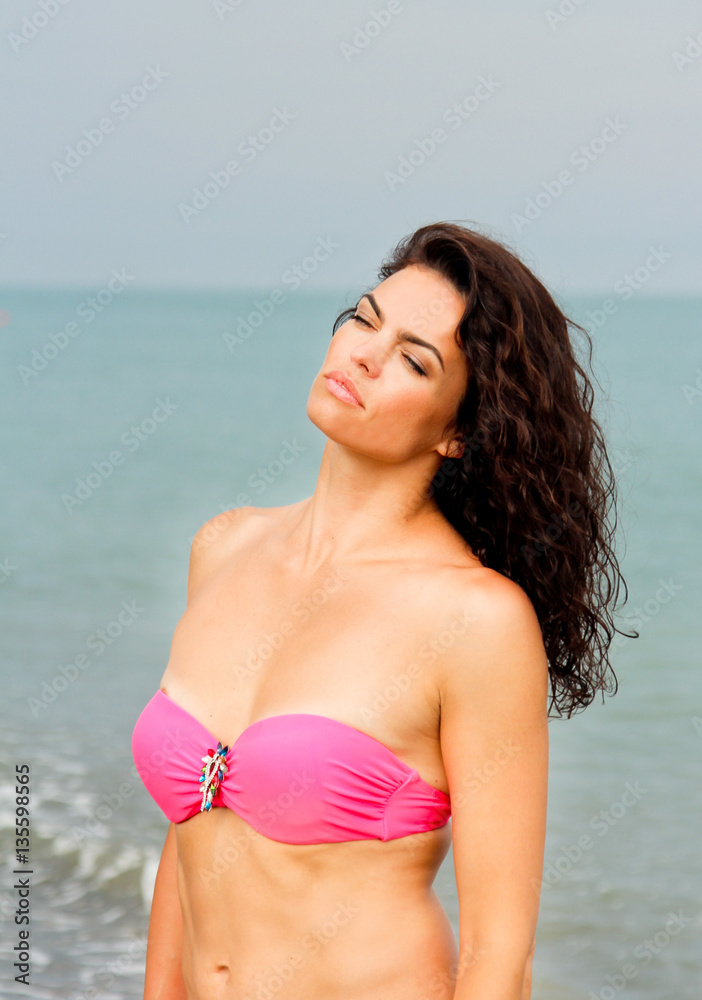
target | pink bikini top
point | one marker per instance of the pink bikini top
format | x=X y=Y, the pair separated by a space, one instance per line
x=296 y=778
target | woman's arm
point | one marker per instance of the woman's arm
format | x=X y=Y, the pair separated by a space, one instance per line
x=164 y=976
x=494 y=744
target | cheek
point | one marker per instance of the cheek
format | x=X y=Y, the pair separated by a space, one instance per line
x=414 y=414
x=416 y=399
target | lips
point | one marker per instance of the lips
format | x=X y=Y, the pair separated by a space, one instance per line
x=347 y=384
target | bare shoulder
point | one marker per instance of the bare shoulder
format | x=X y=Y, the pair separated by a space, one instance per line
x=219 y=539
x=500 y=655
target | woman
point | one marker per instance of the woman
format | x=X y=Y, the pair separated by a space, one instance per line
x=354 y=668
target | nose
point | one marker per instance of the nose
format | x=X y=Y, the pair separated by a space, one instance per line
x=367 y=354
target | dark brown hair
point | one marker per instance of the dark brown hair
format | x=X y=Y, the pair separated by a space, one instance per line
x=534 y=493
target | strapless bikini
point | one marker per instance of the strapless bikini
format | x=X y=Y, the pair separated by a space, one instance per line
x=296 y=778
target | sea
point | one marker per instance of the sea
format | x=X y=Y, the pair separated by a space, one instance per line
x=131 y=417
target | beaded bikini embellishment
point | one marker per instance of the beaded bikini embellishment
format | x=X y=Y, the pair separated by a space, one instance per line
x=213 y=769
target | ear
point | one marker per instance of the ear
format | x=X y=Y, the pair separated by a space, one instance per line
x=453 y=448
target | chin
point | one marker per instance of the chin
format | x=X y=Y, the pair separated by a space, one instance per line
x=326 y=414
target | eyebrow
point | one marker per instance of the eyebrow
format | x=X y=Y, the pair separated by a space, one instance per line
x=403 y=334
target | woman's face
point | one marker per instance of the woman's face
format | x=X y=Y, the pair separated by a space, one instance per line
x=401 y=355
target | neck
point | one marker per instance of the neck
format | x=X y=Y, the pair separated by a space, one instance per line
x=362 y=508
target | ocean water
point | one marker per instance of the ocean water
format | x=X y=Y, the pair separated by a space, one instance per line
x=92 y=584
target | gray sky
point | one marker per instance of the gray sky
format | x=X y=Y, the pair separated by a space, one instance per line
x=332 y=109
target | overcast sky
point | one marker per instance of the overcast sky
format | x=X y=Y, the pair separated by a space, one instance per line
x=569 y=129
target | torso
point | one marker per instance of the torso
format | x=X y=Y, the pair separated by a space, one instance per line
x=357 y=919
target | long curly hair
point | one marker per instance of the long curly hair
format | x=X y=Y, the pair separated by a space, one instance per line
x=533 y=493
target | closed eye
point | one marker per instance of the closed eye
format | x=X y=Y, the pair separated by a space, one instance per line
x=360 y=319
x=408 y=359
